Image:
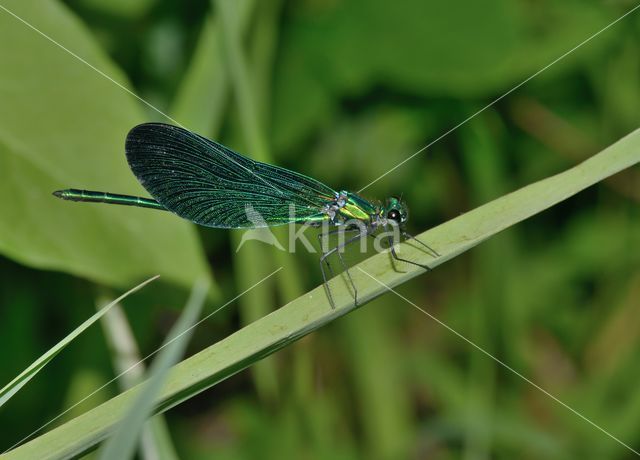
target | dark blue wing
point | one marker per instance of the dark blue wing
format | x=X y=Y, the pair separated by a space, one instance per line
x=209 y=184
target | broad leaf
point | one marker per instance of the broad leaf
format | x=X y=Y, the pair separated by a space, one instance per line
x=62 y=124
x=332 y=50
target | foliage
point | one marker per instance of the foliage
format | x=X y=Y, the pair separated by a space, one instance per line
x=345 y=90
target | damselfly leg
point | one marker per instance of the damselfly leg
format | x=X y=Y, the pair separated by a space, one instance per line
x=325 y=255
x=429 y=248
x=395 y=255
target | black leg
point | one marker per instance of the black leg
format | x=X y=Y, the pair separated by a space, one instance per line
x=324 y=281
x=346 y=270
x=331 y=232
x=410 y=237
x=394 y=254
x=338 y=248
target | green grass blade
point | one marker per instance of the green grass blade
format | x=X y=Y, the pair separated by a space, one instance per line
x=123 y=443
x=311 y=311
x=204 y=91
x=155 y=442
x=251 y=104
x=21 y=380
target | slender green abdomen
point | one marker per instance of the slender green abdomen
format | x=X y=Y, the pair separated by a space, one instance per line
x=90 y=196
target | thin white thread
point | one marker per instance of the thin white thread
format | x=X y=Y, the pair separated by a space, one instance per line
x=502 y=97
x=502 y=363
x=139 y=362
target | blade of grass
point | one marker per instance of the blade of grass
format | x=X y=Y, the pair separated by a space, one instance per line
x=155 y=443
x=122 y=348
x=312 y=310
x=21 y=380
x=486 y=176
x=289 y=285
x=370 y=339
x=238 y=69
x=252 y=260
x=123 y=443
x=204 y=91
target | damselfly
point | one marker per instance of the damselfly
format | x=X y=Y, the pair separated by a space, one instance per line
x=211 y=185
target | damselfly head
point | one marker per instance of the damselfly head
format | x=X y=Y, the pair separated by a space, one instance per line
x=396 y=210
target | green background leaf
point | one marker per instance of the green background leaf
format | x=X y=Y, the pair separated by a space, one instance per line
x=346 y=89
x=63 y=125
x=431 y=48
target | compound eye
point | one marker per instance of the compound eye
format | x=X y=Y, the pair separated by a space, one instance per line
x=394 y=214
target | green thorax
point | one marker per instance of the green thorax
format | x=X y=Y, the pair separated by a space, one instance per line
x=358 y=208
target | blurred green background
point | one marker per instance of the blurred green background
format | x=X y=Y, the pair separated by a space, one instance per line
x=341 y=90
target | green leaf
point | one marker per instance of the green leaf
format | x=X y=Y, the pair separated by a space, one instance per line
x=331 y=50
x=123 y=443
x=124 y=8
x=311 y=311
x=204 y=91
x=21 y=380
x=63 y=125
